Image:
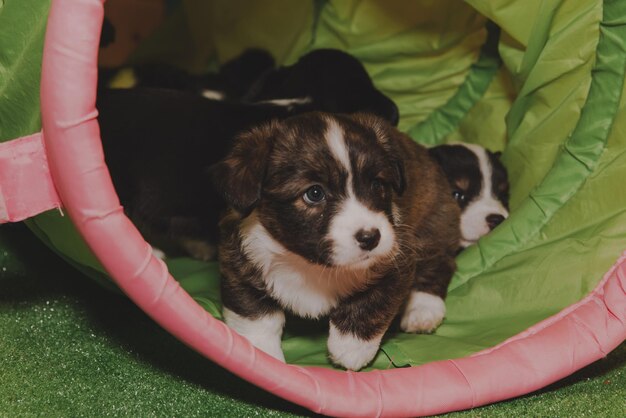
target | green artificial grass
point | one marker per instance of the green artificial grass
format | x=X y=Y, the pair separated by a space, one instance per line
x=70 y=348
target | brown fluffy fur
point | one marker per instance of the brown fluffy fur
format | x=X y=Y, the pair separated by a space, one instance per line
x=266 y=173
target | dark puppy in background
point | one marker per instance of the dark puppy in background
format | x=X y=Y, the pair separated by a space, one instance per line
x=325 y=80
x=479 y=184
x=232 y=82
x=338 y=216
x=159 y=144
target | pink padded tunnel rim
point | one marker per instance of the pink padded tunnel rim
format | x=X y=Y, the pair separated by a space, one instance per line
x=546 y=352
x=26 y=188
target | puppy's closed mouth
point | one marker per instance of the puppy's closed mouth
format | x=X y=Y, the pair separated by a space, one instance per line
x=364 y=262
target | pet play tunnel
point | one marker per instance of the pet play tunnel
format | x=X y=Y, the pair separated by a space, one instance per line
x=539 y=298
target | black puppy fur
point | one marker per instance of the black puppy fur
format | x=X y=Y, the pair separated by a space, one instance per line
x=332 y=80
x=232 y=82
x=159 y=144
x=326 y=80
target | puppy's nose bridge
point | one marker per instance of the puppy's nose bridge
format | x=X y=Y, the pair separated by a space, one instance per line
x=368 y=239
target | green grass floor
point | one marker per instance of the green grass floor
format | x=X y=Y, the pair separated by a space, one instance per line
x=70 y=348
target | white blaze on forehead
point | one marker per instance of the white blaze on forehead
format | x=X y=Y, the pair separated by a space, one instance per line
x=353 y=215
x=339 y=149
x=473 y=219
x=485 y=167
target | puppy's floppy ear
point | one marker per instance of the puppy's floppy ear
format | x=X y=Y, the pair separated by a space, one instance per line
x=497 y=154
x=447 y=157
x=399 y=182
x=391 y=143
x=389 y=138
x=239 y=177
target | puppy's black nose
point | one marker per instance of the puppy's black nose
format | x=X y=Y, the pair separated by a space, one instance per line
x=494 y=220
x=368 y=240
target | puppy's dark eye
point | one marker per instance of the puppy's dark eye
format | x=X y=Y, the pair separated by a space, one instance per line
x=314 y=195
x=378 y=186
x=458 y=195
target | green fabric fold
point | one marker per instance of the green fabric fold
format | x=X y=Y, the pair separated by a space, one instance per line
x=548 y=91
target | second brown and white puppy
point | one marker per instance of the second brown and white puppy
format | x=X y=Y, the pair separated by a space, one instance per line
x=337 y=216
x=479 y=185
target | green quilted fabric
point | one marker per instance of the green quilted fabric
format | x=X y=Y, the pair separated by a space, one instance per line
x=540 y=80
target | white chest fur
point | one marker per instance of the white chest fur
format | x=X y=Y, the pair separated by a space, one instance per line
x=306 y=289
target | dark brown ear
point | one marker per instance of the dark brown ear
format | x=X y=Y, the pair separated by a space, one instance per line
x=388 y=137
x=398 y=184
x=391 y=141
x=239 y=177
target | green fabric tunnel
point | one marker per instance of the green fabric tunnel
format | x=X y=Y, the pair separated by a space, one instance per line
x=540 y=80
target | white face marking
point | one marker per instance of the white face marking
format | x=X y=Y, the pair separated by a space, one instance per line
x=213 y=94
x=349 y=351
x=473 y=218
x=258 y=244
x=338 y=148
x=423 y=313
x=288 y=102
x=306 y=289
x=353 y=216
x=264 y=333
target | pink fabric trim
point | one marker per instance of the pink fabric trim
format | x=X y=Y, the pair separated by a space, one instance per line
x=26 y=187
x=543 y=354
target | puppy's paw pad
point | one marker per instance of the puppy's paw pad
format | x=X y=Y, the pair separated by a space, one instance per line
x=349 y=351
x=424 y=312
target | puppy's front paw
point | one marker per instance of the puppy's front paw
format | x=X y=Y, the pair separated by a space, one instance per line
x=424 y=312
x=349 y=351
x=264 y=333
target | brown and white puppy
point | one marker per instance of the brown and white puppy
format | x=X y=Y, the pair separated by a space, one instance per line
x=479 y=184
x=339 y=216
x=159 y=142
